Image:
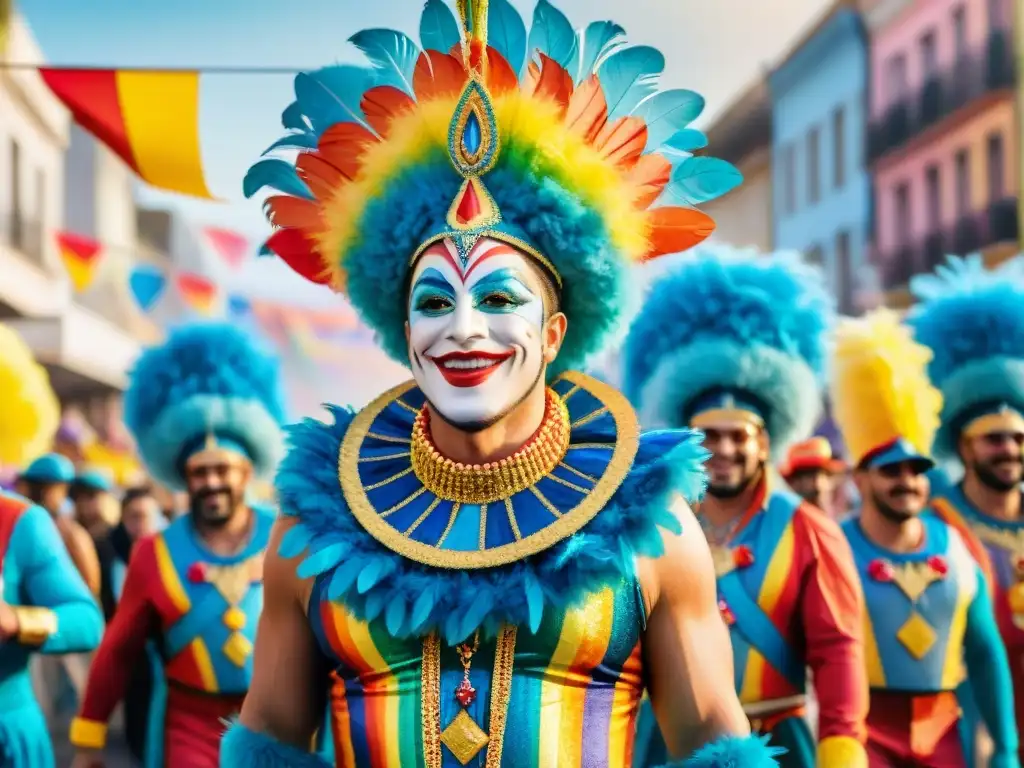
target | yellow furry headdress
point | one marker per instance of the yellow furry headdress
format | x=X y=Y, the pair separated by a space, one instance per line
x=882 y=400
x=29 y=411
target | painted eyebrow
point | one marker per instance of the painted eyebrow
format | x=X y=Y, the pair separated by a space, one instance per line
x=501 y=277
x=432 y=278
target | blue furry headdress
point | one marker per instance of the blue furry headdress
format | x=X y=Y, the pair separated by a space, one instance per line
x=751 y=324
x=973 y=321
x=205 y=379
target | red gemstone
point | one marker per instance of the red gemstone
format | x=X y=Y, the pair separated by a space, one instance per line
x=469 y=206
x=196 y=573
x=880 y=570
x=742 y=556
x=938 y=564
x=727 y=615
x=465 y=693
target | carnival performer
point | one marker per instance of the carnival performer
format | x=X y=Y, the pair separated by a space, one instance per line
x=45 y=607
x=206 y=409
x=973 y=321
x=927 y=598
x=811 y=470
x=480 y=571
x=734 y=343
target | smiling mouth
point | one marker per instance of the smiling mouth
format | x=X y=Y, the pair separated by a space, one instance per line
x=469 y=369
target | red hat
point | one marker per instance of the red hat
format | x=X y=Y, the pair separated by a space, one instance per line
x=815 y=453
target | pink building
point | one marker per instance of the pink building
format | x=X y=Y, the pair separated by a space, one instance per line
x=942 y=141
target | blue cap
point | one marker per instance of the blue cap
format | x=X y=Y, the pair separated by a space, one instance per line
x=725 y=403
x=94 y=480
x=50 y=469
x=896 y=451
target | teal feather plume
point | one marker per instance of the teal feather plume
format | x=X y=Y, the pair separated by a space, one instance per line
x=668 y=112
x=552 y=34
x=393 y=54
x=699 y=179
x=307 y=140
x=394 y=616
x=595 y=43
x=332 y=95
x=294 y=541
x=276 y=174
x=292 y=118
x=506 y=33
x=684 y=142
x=439 y=30
x=343 y=579
x=628 y=77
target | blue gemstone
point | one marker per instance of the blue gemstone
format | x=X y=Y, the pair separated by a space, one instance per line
x=471 y=136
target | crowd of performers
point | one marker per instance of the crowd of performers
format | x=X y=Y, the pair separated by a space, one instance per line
x=506 y=561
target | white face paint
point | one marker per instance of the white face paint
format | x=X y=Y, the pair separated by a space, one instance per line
x=476 y=331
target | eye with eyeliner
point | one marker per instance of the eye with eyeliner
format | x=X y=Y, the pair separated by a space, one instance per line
x=432 y=304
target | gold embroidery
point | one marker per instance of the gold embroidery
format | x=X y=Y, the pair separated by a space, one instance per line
x=426 y=513
x=581 y=475
x=388 y=438
x=593 y=416
x=388 y=481
x=914 y=578
x=512 y=519
x=451 y=522
x=430 y=682
x=545 y=502
x=233 y=582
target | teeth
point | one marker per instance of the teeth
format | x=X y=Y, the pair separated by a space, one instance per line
x=466 y=365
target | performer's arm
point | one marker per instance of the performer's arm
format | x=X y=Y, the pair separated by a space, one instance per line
x=689 y=658
x=287 y=696
x=59 y=615
x=988 y=673
x=83 y=553
x=832 y=614
x=134 y=621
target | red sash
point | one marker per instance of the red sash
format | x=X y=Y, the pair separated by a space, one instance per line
x=11 y=509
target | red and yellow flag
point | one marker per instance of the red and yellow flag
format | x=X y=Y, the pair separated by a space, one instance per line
x=199 y=293
x=149 y=119
x=81 y=255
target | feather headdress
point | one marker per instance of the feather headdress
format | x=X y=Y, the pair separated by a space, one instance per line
x=29 y=411
x=206 y=381
x=556 y=142
x=732 y=324
x=972 y=319
x=881 y=394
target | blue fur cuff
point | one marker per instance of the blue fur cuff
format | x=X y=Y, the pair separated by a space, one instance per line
x=733 y=752
x=242 y=748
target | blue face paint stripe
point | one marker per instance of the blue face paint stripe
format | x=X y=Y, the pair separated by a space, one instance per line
x=431 y=283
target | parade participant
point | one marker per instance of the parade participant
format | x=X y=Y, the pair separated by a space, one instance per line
x=734 y=343
x=205 y=409
x=927 y=598
x=46 y=482
x=810 y=469
x=478 y=557
x=44 y=605
x=91 y=493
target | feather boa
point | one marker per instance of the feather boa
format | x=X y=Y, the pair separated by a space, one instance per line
x=733 y=752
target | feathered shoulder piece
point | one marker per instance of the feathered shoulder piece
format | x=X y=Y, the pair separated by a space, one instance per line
x=556 y=142
x=29 y=411
x=206 y=379
x=880 y=386
x=735 y=321
x=972 y=319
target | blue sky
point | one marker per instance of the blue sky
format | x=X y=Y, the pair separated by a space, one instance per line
x=713 y=46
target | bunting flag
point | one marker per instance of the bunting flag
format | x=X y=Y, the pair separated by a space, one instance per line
x=239 y=306
x=81 y=256
x=199 y=293
x=149 y=119
x=147 y=284
x=229 y=245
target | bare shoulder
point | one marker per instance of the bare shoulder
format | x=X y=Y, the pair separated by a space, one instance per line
x=685 y=566
x=279 y=573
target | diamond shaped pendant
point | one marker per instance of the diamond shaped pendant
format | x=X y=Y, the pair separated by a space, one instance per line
x=464 y=738
x=917 y=636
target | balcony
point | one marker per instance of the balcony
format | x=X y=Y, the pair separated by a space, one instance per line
x=978 y=74
x=974 y=232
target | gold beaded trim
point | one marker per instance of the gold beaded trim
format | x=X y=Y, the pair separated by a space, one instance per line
x=488 y=483
x=501 y=689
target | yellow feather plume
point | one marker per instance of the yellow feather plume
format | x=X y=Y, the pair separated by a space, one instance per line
x=880 y=386
x=29 y=411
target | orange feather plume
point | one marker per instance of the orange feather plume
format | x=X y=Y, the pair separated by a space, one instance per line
x=588 y=110
x=649 y=177
x=500 y=77
x=623 y=141
x=675 y=229
x=382 y=104
x=321 y=177
x=342 y=145
x=294 y=212
x=437 y=75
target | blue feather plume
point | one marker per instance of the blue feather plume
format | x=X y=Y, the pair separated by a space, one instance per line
x=668 y=112
x=276 y=174
x=506 y=33
x=295 y=140
x=699 y=179
x=595 y=43
x=751 y=751
x=552 y=34
x=393 y=54
x=628 y=77
x=684 y=141
x=292 y=118
x=439 y=30
x=332 y=95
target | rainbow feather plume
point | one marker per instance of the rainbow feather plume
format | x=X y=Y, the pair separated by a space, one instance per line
x=29 y=410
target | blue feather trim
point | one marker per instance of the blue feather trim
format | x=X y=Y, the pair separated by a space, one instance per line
x=394 y=54
x=733 y=752
x=371 y=580
x=243 y=748
x=506 y=33
x=551 y=34
x=595 y=43
x=276 y=174
x=439 y=31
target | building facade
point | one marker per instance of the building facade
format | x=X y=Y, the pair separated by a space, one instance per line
x=821 y=191
x=742 y=134
x=943 y=144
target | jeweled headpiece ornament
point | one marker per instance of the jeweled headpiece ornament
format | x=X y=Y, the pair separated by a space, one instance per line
x=554 y=141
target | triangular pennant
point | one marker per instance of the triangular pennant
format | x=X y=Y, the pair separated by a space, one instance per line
x=147 y=284
x=199 y=293
x=81 y=255
x=230 y=246
x=238 y=305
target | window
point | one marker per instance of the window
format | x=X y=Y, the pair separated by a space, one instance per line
x=844 y=272
x=963 y=183
x=996 y=168
x=838 y=148
x=813 y=168
x=929 y=55
x=902 y=208
x=896 y=79
x=933 y=194
x=960 y=32
x=789 y=179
